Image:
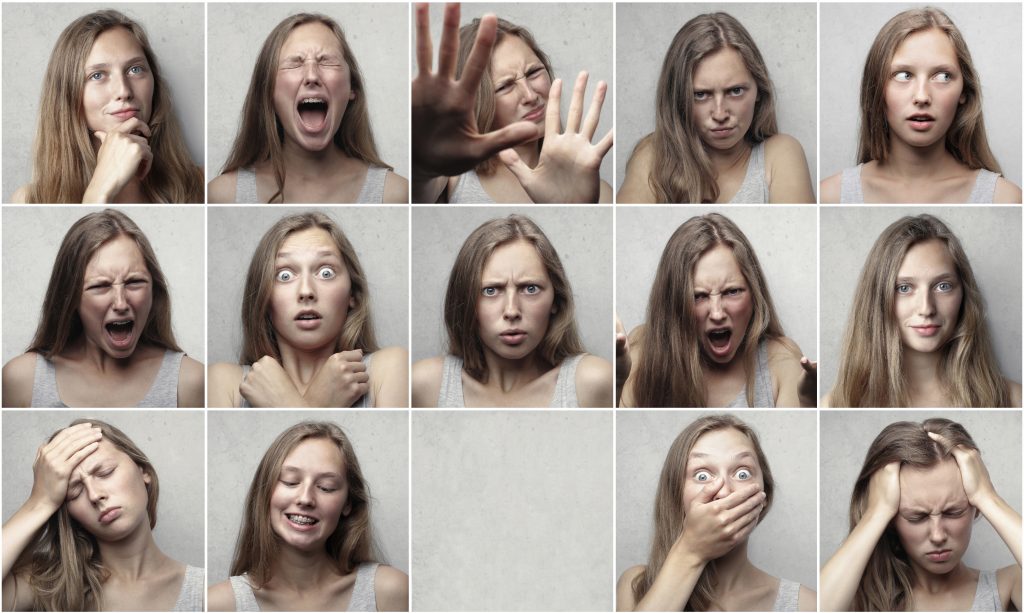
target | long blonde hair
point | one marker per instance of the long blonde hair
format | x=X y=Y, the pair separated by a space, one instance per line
x=669 y=372
x=669 y=514
x=63 y=561
x=682 y=170
x=348 y=546
x=258 y=336
x=888 y=577
x=966 y=139
x=64 y=156
x=871 y=368
x=260 y=135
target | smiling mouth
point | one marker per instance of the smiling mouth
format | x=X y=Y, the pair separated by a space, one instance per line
x=313 y=113
x=302 y=520
x=120 y=331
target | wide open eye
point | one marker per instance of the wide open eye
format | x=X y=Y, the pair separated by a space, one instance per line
x=702 y=476
x=743 y=474
x=285 y=276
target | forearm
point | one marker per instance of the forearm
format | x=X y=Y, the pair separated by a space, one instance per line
x=842 y=573
x=20 y=528
x=1005 y=520
x=674 y=584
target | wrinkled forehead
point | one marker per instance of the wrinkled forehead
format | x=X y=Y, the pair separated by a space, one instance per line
x=511 y=56
x=723 y=446
x=106 y=453
x=120 y=252
x=933 y=487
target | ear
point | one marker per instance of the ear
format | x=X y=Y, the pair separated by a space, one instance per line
x=351 y=302
x=146 y=478
x=347 y=509
x=352 y=95
x=963 y=98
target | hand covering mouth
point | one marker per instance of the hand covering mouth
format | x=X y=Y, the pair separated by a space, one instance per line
x=308 y=314
x=313 y=112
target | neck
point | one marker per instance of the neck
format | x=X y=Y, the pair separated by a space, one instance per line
x=907 y=163
x=302 y=165
x=734 y=570
x=87 y=351
x=302 y=365
x=723 y=160
x=301 y=571
x=508 y=374
x=134 y=556
x=921 y=369
x=933 y=583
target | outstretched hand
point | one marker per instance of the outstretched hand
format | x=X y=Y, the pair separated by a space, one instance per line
x=446 y=140
x=807 y=388
x=568 y=171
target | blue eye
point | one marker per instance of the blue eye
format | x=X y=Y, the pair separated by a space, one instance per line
x=903 y=288
x=700 y=96
x=737 y=91
x=531 y=289
x=490 y=291
x=944 y=286
x=743 y=474
x=96 y=76
x=702 y=476
x=944 y=77
x=902 y=75
x=285 y=276
x=326 y=273
x=135 y=70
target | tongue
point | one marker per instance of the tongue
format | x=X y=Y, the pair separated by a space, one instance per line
x=313 y=116
x=120 y=333
x=719 y=340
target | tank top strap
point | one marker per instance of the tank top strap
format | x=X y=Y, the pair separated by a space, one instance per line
x=754 y=189
x=245 y=598
x=984 y=190
x=364 y=597
x=764 y=392
x=468 y=190
x=986 y=597
x=788 y=598
x=44 y=385
x=164 y=391
x=850 y=189
x=565 y=385
x=190 y=597
x=373 y=187
x=245 y=186
x=450 y=395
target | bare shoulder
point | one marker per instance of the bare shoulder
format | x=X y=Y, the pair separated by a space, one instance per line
x=17 y=592
x=20 y=195
x=391 y=586
x=396 y=189
x=783 y=349
x=426 y=381
x=18 y=376
x=223 y=188
x=1008 y=583
x=389 y=377
x=783 y=149
x=594 y=382
x=223 y=388
x=191 y=383
x=1006 y=192
x=830 y=189
x=808 y=599
x=636 y=187
x=220 y=597
x=606 y=193
x=1015 y=392
x=624 y=598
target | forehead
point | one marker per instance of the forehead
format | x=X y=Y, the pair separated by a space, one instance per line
x=927 y=258
x=316 y=455
x=931 y=487
x=105 y=452
x=112 y=45
x=518 y=258
x=722 y=68
x=118 y=252
x=721 y=445
x=717 y=265
x=511 y=55
x=313 y=36
x=926 y=48
x=310 y=239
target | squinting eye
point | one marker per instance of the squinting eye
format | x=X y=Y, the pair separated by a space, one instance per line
x=326 y=273
x=702 y=475
x=734 y=291
x=698 y=96
x=743 y=474
x=902 y=75
x=502 y=88
x=700 y=297
x=284 y=276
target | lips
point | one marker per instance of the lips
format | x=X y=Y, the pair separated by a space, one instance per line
x=513 y=337
x=722 y=132
x=312 y=110
x=109 y=515
x=940 y=555
x=126 y=114
x=301 y=522
x=921 y=121
x=720 y=341
x=120 y=332
x=308 y=319
x=927 y=330
x=535 y=115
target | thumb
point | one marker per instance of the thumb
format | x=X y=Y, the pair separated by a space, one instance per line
x=511 y=135
x=511 y=159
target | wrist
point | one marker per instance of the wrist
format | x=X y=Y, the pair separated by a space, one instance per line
x=986 y=501
x=684 y=557
x=96 y=194
x=40 y=505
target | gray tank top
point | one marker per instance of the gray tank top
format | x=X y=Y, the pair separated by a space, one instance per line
x=364 y=598
x=371 y=193
x=984 y=191
x=469 y=191
x=450 y=396
x=365 y=402
x=986 y=598
x=764 y=393
x=162 y=394
x=754 y=189
x=789 y=596
x=192 y=589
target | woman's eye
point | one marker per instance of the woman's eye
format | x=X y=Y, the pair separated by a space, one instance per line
x=944 y=77
x=903 y=288
x=737 y=91
x=73 y=492
x=955 y=512
x=135 y=70
x=284 y=276
x=944 y=286
x=698 y=96
x=490 y=291
x=734 y=291
x=916 y=519
x=702 y=475
x=328 y=490
x=503 y=87
x=743 y=474
x=107 y=472
x=902 y=75
x=96 y=76
x=700 y=297
x=536 y=72
x=135 y=282
x=326 y=273
x=531 y=289
x=289 y=483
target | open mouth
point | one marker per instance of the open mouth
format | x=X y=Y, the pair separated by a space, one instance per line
x=720 y=338
x=313 y=113
x=921 y=122
x=120 y=331
x=302 y=520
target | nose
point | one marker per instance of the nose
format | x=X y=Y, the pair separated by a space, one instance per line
x=926 y=304
x=716 y=313
x=726 y=489
x=311 y=73
x=922 y=93
x=93 y=490
x=719 y=112
x=120 y=297
x=936 y=531
x=512 y=312
x=122 y=87
x=526 y=91
x=307 y=290
x=305 y=496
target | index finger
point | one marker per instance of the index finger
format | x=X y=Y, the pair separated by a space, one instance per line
x=740 y=495
x=424 y=46
x=352 y=355
x=480 y=55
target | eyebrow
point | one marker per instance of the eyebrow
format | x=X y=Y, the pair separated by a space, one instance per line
x=326 y=253
x=107 y=64
x=742 y=454
x=327 y=475
x=942 y=277
x=909 y=68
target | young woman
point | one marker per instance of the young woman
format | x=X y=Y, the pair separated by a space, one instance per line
x=83 y=541
x=715 y=487
x=922 y=135
x=920 y=489
x=715 y=136
x=916 y=335
x=306 y=540
x=105 y=337
x=712 y=337
x=495 y=99
x=511 y=323
x=107 y=130
x=308 y=336
x=306 y=118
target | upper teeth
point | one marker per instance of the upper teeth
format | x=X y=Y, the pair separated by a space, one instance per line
x=302 y=519
x=308 y=316
x=311 y=100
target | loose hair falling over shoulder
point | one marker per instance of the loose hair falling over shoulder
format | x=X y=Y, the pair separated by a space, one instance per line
x=64 y=156
x=485 y=92
x=669 y=372
x=871 y=368
x=966 y=139
x=888 y=578
x=352 y=542
x=260 y=135
x=60 y=324
x=682 y=171
x=62 y=562
x=258 y=336
x=464 y=287
x=669 y=513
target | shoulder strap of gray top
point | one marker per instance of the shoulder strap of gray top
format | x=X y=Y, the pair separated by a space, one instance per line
x=850 y=190
x=565 y=396
x=164 y=391
x=192 y=588
x=754 y=189
x=364 y=596
x=245 y=186
x=986 y=597
x=450 y=396
x=984 y=190
x=245 y=598
x=373 y=187
x=788 y=598
x=44 y=385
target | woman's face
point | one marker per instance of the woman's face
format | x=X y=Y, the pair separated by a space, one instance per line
x=311 y=296
x=722 y=304
x=924 y=89
x=107 y=493
x=724 y=457
x=118 y=82
x=724 y=97
x=313 y=86
x=934 y=519
x=117 y=296
x=521 y=83
x=515 y=301
x=928 y=297
x=311 y=494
